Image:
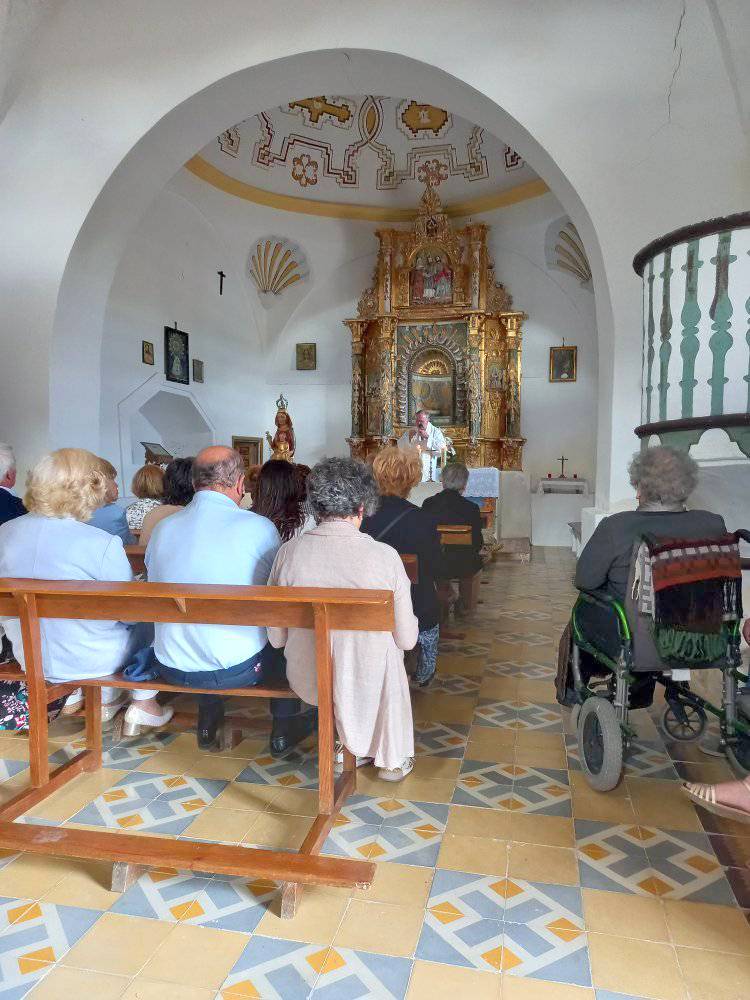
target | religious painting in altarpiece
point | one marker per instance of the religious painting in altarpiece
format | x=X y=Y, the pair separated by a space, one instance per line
x=436 y=332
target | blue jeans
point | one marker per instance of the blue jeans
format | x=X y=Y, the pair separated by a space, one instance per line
x=266 y=667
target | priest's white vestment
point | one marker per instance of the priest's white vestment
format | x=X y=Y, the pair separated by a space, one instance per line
x=431 y=449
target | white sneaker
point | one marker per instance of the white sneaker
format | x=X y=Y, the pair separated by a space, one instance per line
x=397 y=773
x=136 y=719
x=338 y=764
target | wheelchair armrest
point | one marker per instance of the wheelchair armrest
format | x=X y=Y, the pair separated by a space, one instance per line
x=608 y=603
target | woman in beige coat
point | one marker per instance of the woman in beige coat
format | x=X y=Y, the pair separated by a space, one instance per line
x=370 y=689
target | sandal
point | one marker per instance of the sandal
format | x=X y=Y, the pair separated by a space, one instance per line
x=705 y=796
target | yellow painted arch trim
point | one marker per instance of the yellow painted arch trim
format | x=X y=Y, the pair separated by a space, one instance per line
x=369 y=213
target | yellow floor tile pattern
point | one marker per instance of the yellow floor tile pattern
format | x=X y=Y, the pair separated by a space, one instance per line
x=460 y=917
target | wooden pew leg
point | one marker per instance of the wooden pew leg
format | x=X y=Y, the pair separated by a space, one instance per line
x=124 y=875
x=93 y=707
x=291 y=894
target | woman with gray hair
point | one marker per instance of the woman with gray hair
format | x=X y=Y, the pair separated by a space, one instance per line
x=370 y=689
x=663 y=479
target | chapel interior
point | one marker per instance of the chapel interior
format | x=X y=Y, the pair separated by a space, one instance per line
x=289 y=231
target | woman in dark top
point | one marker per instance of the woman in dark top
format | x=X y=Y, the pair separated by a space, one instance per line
x=451 y=507
x=408 y=529
x=663 y=479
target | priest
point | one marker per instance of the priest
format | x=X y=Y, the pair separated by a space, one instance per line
x=429 y=440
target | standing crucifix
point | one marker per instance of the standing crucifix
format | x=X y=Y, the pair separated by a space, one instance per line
x=221 y=281
x=562 y=460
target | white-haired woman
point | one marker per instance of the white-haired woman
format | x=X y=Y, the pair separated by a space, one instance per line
x=663 y=479
x=370 y=689
x=54 y=542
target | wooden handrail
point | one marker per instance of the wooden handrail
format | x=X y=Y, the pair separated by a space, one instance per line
x=455 y=534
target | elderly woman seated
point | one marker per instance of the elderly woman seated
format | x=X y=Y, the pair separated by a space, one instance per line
x=148 y=487
x=663 y=479
x=449 y=506
x=178 y=492
x=370 y=690
x=54 y=542
x=408 y=529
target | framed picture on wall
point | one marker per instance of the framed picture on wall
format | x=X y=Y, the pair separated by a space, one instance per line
x=197 y=370
x=176 y=357
x=307 y=357
x=563 y=364
x=147 y=352
x=251 y=449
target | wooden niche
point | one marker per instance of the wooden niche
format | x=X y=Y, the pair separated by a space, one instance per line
x=436 y=332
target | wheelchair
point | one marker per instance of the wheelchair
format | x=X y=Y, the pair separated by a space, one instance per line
x=607 y=685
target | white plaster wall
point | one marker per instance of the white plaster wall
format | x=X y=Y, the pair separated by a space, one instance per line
x=98 y=119
x=168 y=274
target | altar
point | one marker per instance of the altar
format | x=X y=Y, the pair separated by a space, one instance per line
x=436 y=332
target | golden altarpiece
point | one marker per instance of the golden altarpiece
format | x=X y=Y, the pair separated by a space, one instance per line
x=435 y=332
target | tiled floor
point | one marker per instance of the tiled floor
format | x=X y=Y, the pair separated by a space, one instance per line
x=500 y=873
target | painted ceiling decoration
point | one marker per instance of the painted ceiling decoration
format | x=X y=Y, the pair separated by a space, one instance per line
x=364 y=151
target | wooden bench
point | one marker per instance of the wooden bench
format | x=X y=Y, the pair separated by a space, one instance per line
x=322 y=610
x=460 y=534
x=137 y=557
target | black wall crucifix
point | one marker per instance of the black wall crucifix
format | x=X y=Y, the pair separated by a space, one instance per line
x=221 y=281
x=562 y=460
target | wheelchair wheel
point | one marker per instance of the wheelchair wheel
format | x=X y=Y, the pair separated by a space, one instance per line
x=600 y=744
x=686 y=729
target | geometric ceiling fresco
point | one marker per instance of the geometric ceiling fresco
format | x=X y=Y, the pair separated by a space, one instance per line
x=366 y=150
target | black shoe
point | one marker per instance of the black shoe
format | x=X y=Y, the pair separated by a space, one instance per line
x=208 y=729
x=287 y=733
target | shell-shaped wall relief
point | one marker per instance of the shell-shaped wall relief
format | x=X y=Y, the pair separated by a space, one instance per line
x=277 y=264
x=565 y=250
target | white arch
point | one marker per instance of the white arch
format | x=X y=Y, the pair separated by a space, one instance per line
x=78 y=321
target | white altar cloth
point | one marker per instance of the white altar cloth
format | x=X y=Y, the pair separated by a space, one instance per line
x=483 y=483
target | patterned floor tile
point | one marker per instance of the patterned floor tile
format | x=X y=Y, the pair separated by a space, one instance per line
x=350 y=975
x=9 y=768
x=454 y=684
x=543 y=933
x=511 y=668
x=650 y=862
x=458 y=647
x=232 y=905
x=645 y=759
x=295 y=770
x=525 y=639
x=275 y=970
x=513 y=786
x=515 y=714
x=461 y=939
x=408 y=832
x=158 y=802
x=440 y=739
x=33 y=936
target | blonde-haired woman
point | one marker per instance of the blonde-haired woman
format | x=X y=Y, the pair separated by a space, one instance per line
x=409 y=529
x=109 y=516
x=54 y=542
x=148 y=488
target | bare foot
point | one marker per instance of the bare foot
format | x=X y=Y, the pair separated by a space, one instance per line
x=735 y=794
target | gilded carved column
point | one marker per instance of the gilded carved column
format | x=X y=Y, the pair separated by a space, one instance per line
x=476 y=259
x=357 y=328
x=474 y=385
x=386 y=379
x=387 y=255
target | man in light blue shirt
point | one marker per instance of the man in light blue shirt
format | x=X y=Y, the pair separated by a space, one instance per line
x=213 y=540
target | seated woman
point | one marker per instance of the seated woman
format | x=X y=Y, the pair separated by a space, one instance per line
x=410 y=530
x=178 y=492
x=663 y=479
x=148 y=487
x=54 y=542
x=450 y=507
x=279 y=495
x=110 y=516
x=370 y=690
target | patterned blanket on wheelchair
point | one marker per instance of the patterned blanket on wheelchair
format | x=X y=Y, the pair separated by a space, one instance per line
x=689 y=590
